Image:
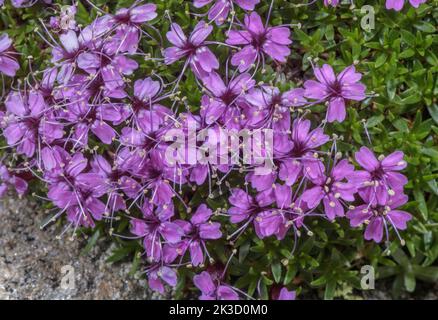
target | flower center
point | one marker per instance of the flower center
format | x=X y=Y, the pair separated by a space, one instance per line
x=258 y=40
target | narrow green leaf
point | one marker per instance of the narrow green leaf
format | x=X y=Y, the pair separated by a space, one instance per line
x=91 y=242
x=276 y=271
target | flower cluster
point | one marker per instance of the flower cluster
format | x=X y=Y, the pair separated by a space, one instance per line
x=94 y=130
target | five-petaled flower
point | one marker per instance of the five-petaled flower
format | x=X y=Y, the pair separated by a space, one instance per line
x=336 y=90
x=378 y=217
x=193 y=49
x=258 y=40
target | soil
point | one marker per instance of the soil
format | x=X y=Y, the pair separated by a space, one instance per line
x=32 y=261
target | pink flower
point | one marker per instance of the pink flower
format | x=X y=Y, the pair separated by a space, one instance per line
x=335 y=89
x=330 y=189
x=284 y=294
x=28 y=122
x=332 y=3
x=258 y=40
x=381 y=178
x=156 y=228
x=162 y=272
x=8 y=180
x=377 y=217
x=225 y=102
x=193 y=49
x=197 y=232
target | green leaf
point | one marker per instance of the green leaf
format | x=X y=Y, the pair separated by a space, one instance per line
x=136 y=262
x=409 y=281
x=431 y=152
x=408 y=53
x=425 y=27
x=290 y=275
x=276 y=271
x=381 y=59
x=408 y=38
x=411 y=99
x=119 y=254
x=319 y=282
x=243 y=251
x=374 y=121
x=422 y=206
x=330 y=288
x=429 y=274
x=91 y=242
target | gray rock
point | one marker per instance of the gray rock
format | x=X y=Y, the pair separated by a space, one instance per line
x=31 y=261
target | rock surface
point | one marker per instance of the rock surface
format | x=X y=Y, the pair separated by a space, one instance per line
x=31 y=262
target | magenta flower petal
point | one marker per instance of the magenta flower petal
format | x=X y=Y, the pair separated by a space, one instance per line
x=240 y=199
x=332 y=207
x=15 y=104
x=247 y=4
x=238 y=37
x=276 y=51
x=196 y=255
x=354 y=91
x=286 y=295
x=399 y=218
x=366 y=158
x=325 y=74
x=202 y=214
x=176 y=35
x=5 y=42
x=20 y=185
x=394 y=161
x=201 y=3
x=156 y=284
x=342 y=169
x=244 y=58
x=315 y=89
x=374 y=231
x=254 y=23
x=168 y=275
x=219 y=12
x=397 y=5
x=171 y=232
x=359 y=215
x=8 y=66
x=103 y=131
x=143 y=13
x=210 y=230
x=313 y=196
x=349 y=75
x=206 y=59
x=200 y=33
x=204 y=283
x=226 y=293
x=416 y=3
x=289 y=171
x=70 y=41
x=336 y=110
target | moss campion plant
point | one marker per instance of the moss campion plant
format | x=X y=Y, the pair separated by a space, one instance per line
x=133 y=120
